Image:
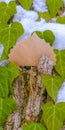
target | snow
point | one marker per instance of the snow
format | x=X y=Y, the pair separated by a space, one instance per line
x=63 y=14
x=22 y=14
x=61 y=94
x=40 y=5
x=28 y=20
x=1 y=49
x=4 y=63
x=64 y=2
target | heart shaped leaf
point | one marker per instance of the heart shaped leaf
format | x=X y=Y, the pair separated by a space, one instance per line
x=53 y=115
x=13 y=72
x=26 y=3
x=60 y=65
x=54 y=6
x=7 y=11
x=7 y=76
x=4 y=89
x=9 y=34
x=7 y=106
x=52 y=85
x=33 y=126
x=47 y=35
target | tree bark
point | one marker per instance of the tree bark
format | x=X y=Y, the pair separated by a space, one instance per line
x=30 y=94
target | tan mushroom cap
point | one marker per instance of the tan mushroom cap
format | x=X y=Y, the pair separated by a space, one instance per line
x=29 y=51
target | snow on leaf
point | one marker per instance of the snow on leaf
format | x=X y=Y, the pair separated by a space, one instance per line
x=7 y=106
x=53 y=115
x=7 y=11
x=4 y=89
x=26 y=3
x=60 y=65
x=13 y=72
x=54 y=6
x=9 y=34
x=33 y=126
x=52 y=85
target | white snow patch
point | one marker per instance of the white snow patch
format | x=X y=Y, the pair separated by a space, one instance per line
x=28 y=20
x=61 y=94
x=63 y=14
x=40 y=5
x=1 y=49
x=4 y=63
x=53 y=20
x=64 y=2
x=22 y=13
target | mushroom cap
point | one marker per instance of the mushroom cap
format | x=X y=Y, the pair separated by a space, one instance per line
x=29 y=51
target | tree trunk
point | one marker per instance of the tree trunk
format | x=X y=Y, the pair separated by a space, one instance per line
x=30 y=94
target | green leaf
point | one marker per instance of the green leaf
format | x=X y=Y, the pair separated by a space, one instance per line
x=40 y=34
x=26 y=3
x=7 y=76
x=1 y=128
x=47 y=35
x=7 y=11
x=4 y=56
x=33 y=126
x=9 y=34
x=53 y=115
x=45 y=15
x=54 y=6
x=60 y=64
x=4 y=89
x=61 y=20
x=7 y=106
x=13 y=72
x=52 y=85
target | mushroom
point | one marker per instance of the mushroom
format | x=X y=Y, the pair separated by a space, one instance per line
x=29 y=51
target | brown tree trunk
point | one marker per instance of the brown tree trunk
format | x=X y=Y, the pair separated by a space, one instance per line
x=29 y=94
